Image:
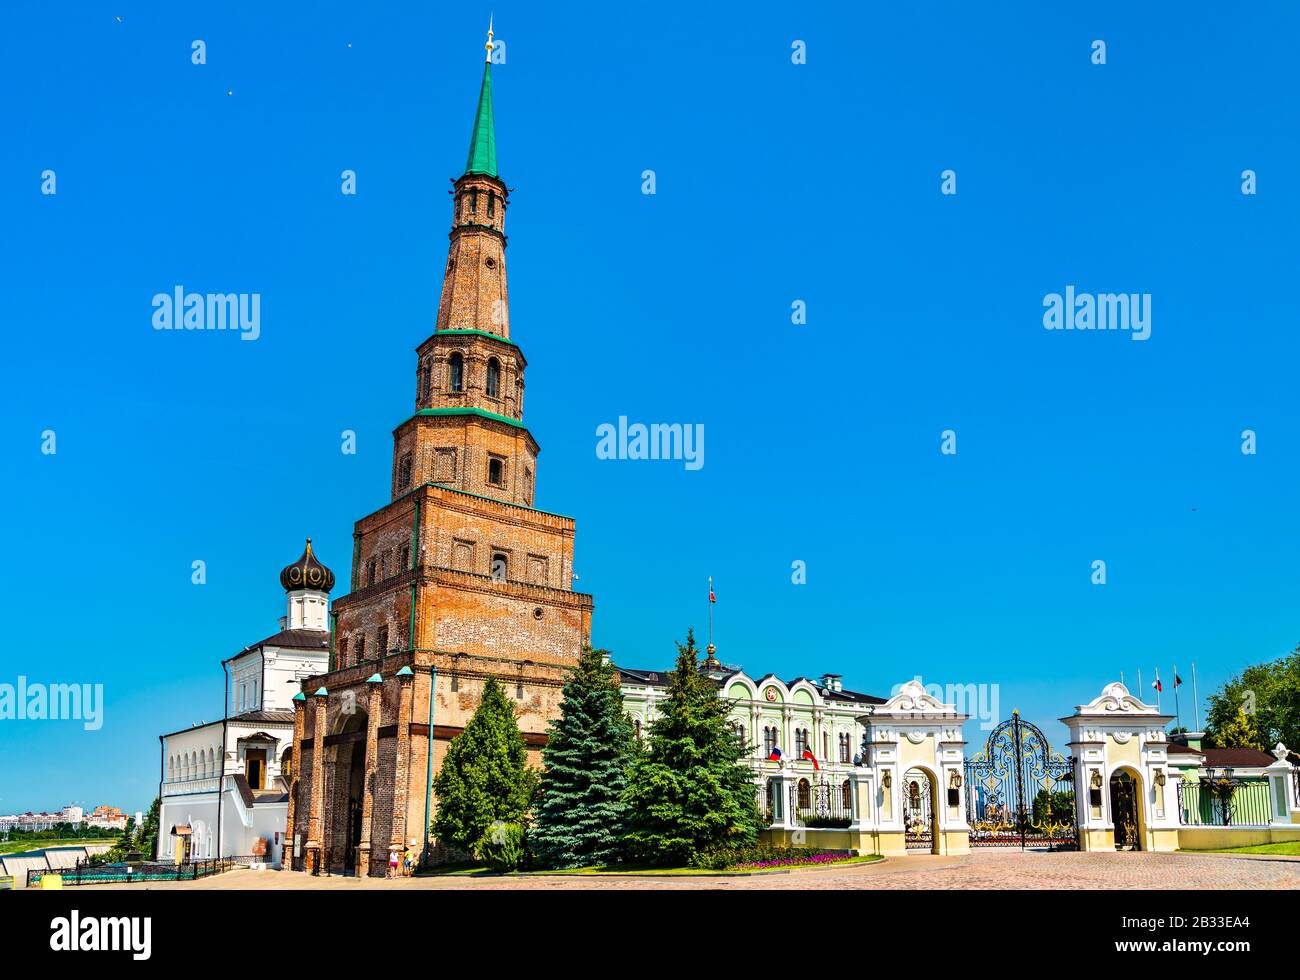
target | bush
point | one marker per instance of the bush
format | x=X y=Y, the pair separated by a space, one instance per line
x=501 y=848
x=764 y=854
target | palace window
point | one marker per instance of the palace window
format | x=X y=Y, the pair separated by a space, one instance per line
x=382 y=649
x=456 y=372
x=846 y=746
x=826 y=745
x=494 y=378
x=800 y=742
x=769 y=742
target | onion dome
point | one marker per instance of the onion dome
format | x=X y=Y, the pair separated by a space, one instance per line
x=307 y=573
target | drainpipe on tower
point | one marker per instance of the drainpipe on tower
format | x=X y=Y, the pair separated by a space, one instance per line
x=428 y=774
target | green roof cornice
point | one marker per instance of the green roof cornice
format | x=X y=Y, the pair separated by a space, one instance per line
x=480 y=412
x=483 y=141
x=474 y=333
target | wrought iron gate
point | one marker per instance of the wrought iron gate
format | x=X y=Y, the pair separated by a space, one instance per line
x=918 y=810
x=1019 y=793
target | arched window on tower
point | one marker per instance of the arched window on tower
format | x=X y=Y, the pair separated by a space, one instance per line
x=492 y=203
x=456 y=372
x=427 y=380
x=494 y=378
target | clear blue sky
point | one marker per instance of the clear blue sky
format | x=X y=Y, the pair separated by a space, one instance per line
x=776 y=182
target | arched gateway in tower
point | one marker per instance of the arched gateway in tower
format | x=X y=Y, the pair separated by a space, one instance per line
x=457 y=579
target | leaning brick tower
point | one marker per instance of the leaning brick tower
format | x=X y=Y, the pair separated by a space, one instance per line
x=457 y=579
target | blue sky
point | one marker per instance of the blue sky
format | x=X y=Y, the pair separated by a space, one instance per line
x=775 y=182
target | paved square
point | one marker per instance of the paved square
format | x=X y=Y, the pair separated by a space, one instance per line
x=982 y=870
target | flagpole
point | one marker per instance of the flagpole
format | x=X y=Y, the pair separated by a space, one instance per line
x=1158 y=689
x=1139 y=678
x=1178 y=715
x=710 y=612
x=1196 y=700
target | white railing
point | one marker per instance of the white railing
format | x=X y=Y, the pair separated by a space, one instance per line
x=180 y=787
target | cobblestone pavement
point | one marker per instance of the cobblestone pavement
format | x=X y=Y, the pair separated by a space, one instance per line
x=984 y=869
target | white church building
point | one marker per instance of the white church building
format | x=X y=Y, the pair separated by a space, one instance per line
x=225 y=784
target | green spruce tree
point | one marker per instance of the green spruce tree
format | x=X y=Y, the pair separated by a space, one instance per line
x=578 y=820
x=690 y=792
x=485 y=776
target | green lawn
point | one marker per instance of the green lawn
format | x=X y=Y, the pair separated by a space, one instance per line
x=1291 y=847
x=625 y=870
x=17 y=846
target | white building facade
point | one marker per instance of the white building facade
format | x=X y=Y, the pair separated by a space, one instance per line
x=225 y=784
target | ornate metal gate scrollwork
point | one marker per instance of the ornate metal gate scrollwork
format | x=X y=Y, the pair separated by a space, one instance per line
x=1019 y=792
x=918 y=810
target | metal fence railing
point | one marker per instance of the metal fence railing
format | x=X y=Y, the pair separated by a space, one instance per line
x=1225 y=801
x=105 y=874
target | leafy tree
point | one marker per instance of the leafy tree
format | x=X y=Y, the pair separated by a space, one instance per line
x=146 y=838
x=485 y=776
x=1239 y=733
x=1272 y=690
x=579 y=816
x=1056 y=806
x=690 y=792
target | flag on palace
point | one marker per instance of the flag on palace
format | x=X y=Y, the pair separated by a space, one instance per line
x=774 y=755
x=1177 y=680
x=807 y=754
x=1157 y=685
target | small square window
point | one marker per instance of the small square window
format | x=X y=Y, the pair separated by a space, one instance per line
x=496 y=472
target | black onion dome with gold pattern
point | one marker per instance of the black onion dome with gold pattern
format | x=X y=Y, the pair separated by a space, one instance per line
x=307 y=573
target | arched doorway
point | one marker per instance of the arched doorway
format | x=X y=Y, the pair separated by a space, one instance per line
x=1126 y=810
x=347 y=791
x=920 y=819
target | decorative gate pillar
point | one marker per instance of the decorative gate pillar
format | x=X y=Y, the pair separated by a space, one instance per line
x=1115 y=739
x=374 y=709
x=1282 y=786
x=913 y=730
x=315 y=819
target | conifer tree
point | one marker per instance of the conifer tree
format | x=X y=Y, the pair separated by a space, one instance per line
x=485 y=776
x=690 y=792
x=580 y=811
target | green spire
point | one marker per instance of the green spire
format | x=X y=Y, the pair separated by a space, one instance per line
x=483 y=142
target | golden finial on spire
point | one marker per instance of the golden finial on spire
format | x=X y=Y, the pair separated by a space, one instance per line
x=489 y=40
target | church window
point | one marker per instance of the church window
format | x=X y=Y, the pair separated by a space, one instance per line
x=361 y=647
x=519 y=691
x=372 y=568
x=455 y=684
x=496 y=472
x=494 y=378
x=427 y=379
x=406 y=557
x=343 y=651
x=456 y=372
x=473 y=201
x=528 y=485
x=500 y=567
x=382 y=649
x=492 y=203
x=404 y=471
